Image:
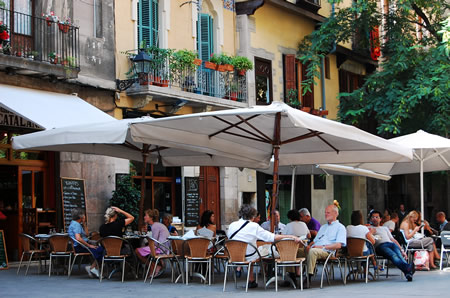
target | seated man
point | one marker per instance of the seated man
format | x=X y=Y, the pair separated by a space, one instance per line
x=331 y=236
x=388 y=247
x=279 y=226
x=312 y=223
x=245 y=229
x=444 y=225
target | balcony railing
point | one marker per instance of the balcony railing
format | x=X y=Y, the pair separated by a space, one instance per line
x=200 y=80
x=40 y=39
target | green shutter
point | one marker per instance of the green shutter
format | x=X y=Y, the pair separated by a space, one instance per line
x=148 y=22
x=205 y=42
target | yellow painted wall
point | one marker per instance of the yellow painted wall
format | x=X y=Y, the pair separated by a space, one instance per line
x=180 y=33
x=125 y=28
x=287 y=33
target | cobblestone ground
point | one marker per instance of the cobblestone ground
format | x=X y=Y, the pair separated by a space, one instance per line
x=425 y=284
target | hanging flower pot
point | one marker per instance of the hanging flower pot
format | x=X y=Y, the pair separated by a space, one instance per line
x=164 y=83
x=210 y=65
x=198 y=62
x=64 y=27
x=306 y=109
x=234 y=96
x=49 y=23
x=242 y=72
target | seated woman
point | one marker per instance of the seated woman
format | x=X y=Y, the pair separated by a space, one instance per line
x=77 y=231
x=159 y=233
x=358 y=230
x=114 y=225
x=410 y=227
x=207 y=227
x=167 y=221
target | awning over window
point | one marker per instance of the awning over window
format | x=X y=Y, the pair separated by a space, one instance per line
x=25 y=108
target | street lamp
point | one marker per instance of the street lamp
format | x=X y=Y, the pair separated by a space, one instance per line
x=141 y=66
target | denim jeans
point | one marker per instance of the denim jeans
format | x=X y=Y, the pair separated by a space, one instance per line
x=391 y=251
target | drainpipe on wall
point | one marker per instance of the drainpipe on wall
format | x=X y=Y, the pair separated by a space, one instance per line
x=322 y=70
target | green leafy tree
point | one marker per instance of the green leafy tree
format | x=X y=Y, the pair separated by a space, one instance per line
x=127 y=198
x=410 y=89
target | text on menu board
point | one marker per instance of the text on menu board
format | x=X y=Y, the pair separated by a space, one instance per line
x=192 y=208
x=73 y=197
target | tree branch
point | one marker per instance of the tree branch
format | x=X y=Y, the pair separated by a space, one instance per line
x=428 y=26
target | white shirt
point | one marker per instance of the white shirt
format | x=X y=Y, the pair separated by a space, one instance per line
x=278 y=230
x=250 y=234
x=384 y=235
x=296 y=228
x=358 y=231
x=390 y=225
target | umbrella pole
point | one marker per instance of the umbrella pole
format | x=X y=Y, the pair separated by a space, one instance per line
x=276 y=151
x=421 y=188
x=141 y=202
x=293 y=186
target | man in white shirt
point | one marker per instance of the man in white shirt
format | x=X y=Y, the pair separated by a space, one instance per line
x=279 y=226
x=331 y=236
x=248 y=231
x=390 y=224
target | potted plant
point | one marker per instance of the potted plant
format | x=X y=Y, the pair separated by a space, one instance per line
x=292 y=98
x=158 y=65
x=213 y=61
x=4 y=36
x=242 y=64
x=226 y=62
x=50 y=18
x=234 y=91
x=53 y=57
x=64 y=26
x=69 y=61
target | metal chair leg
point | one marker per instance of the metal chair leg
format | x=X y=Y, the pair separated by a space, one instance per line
x=101 y=271
x=276 y=277
x=29 y=262
x=50 y=266
x=225 y=277
x=123 y=269
x=20 y=264
x=248 y=276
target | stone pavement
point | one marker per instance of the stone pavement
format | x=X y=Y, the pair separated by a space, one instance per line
x=425 y=284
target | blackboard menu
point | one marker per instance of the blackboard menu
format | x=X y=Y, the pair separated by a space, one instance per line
x=73 y=197
x=3 y=255
x=192 y=207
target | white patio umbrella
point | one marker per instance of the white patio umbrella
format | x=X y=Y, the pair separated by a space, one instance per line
x=318 y=169
x=290 y=135
x=112 y=138
x=431 y=153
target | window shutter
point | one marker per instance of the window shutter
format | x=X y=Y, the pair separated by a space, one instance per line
x=148 y=22
x=308 y=98
x=289 y=73
x=205 y=42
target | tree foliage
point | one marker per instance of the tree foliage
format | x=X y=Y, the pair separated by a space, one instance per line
x=410 y=89
x=127 y=198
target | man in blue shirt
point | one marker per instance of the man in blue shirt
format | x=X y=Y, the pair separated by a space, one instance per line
x=442 y=221
x=331 y=236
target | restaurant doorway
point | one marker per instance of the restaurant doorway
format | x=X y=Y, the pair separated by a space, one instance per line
x=210 y=192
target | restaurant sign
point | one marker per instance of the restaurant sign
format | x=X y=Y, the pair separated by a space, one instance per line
x=10 y=119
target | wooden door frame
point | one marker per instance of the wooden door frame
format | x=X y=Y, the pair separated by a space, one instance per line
x=203 y=188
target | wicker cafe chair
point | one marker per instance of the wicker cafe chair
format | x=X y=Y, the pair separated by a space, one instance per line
x=236 y=250
x=153 y=257
x=75 y=254
x=112 y=245
x=59 y=248
x=287 y=249
x=180 y=248
x=198 y=248
x=445 y=247
x=30 y=246
x=355 y=248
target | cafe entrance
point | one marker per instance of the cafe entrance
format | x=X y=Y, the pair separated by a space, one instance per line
x=24 y=188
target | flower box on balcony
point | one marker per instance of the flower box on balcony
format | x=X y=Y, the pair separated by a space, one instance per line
x=306 y=109
x=210 y=65
x=221 y=68
x=229 y=67
x=198 y=62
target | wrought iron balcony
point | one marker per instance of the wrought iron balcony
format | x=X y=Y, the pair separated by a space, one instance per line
x=37 y=45
x=229 y=85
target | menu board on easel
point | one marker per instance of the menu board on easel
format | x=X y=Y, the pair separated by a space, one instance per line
x=3 y=255
x=73 y=197
x=192 y=207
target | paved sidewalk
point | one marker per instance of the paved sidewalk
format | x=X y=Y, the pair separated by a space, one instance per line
x=425 y=284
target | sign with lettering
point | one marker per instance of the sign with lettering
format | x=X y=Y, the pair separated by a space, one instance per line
x=3 y=255
x=73 y=197
x=192 y=201
x=10 y=119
